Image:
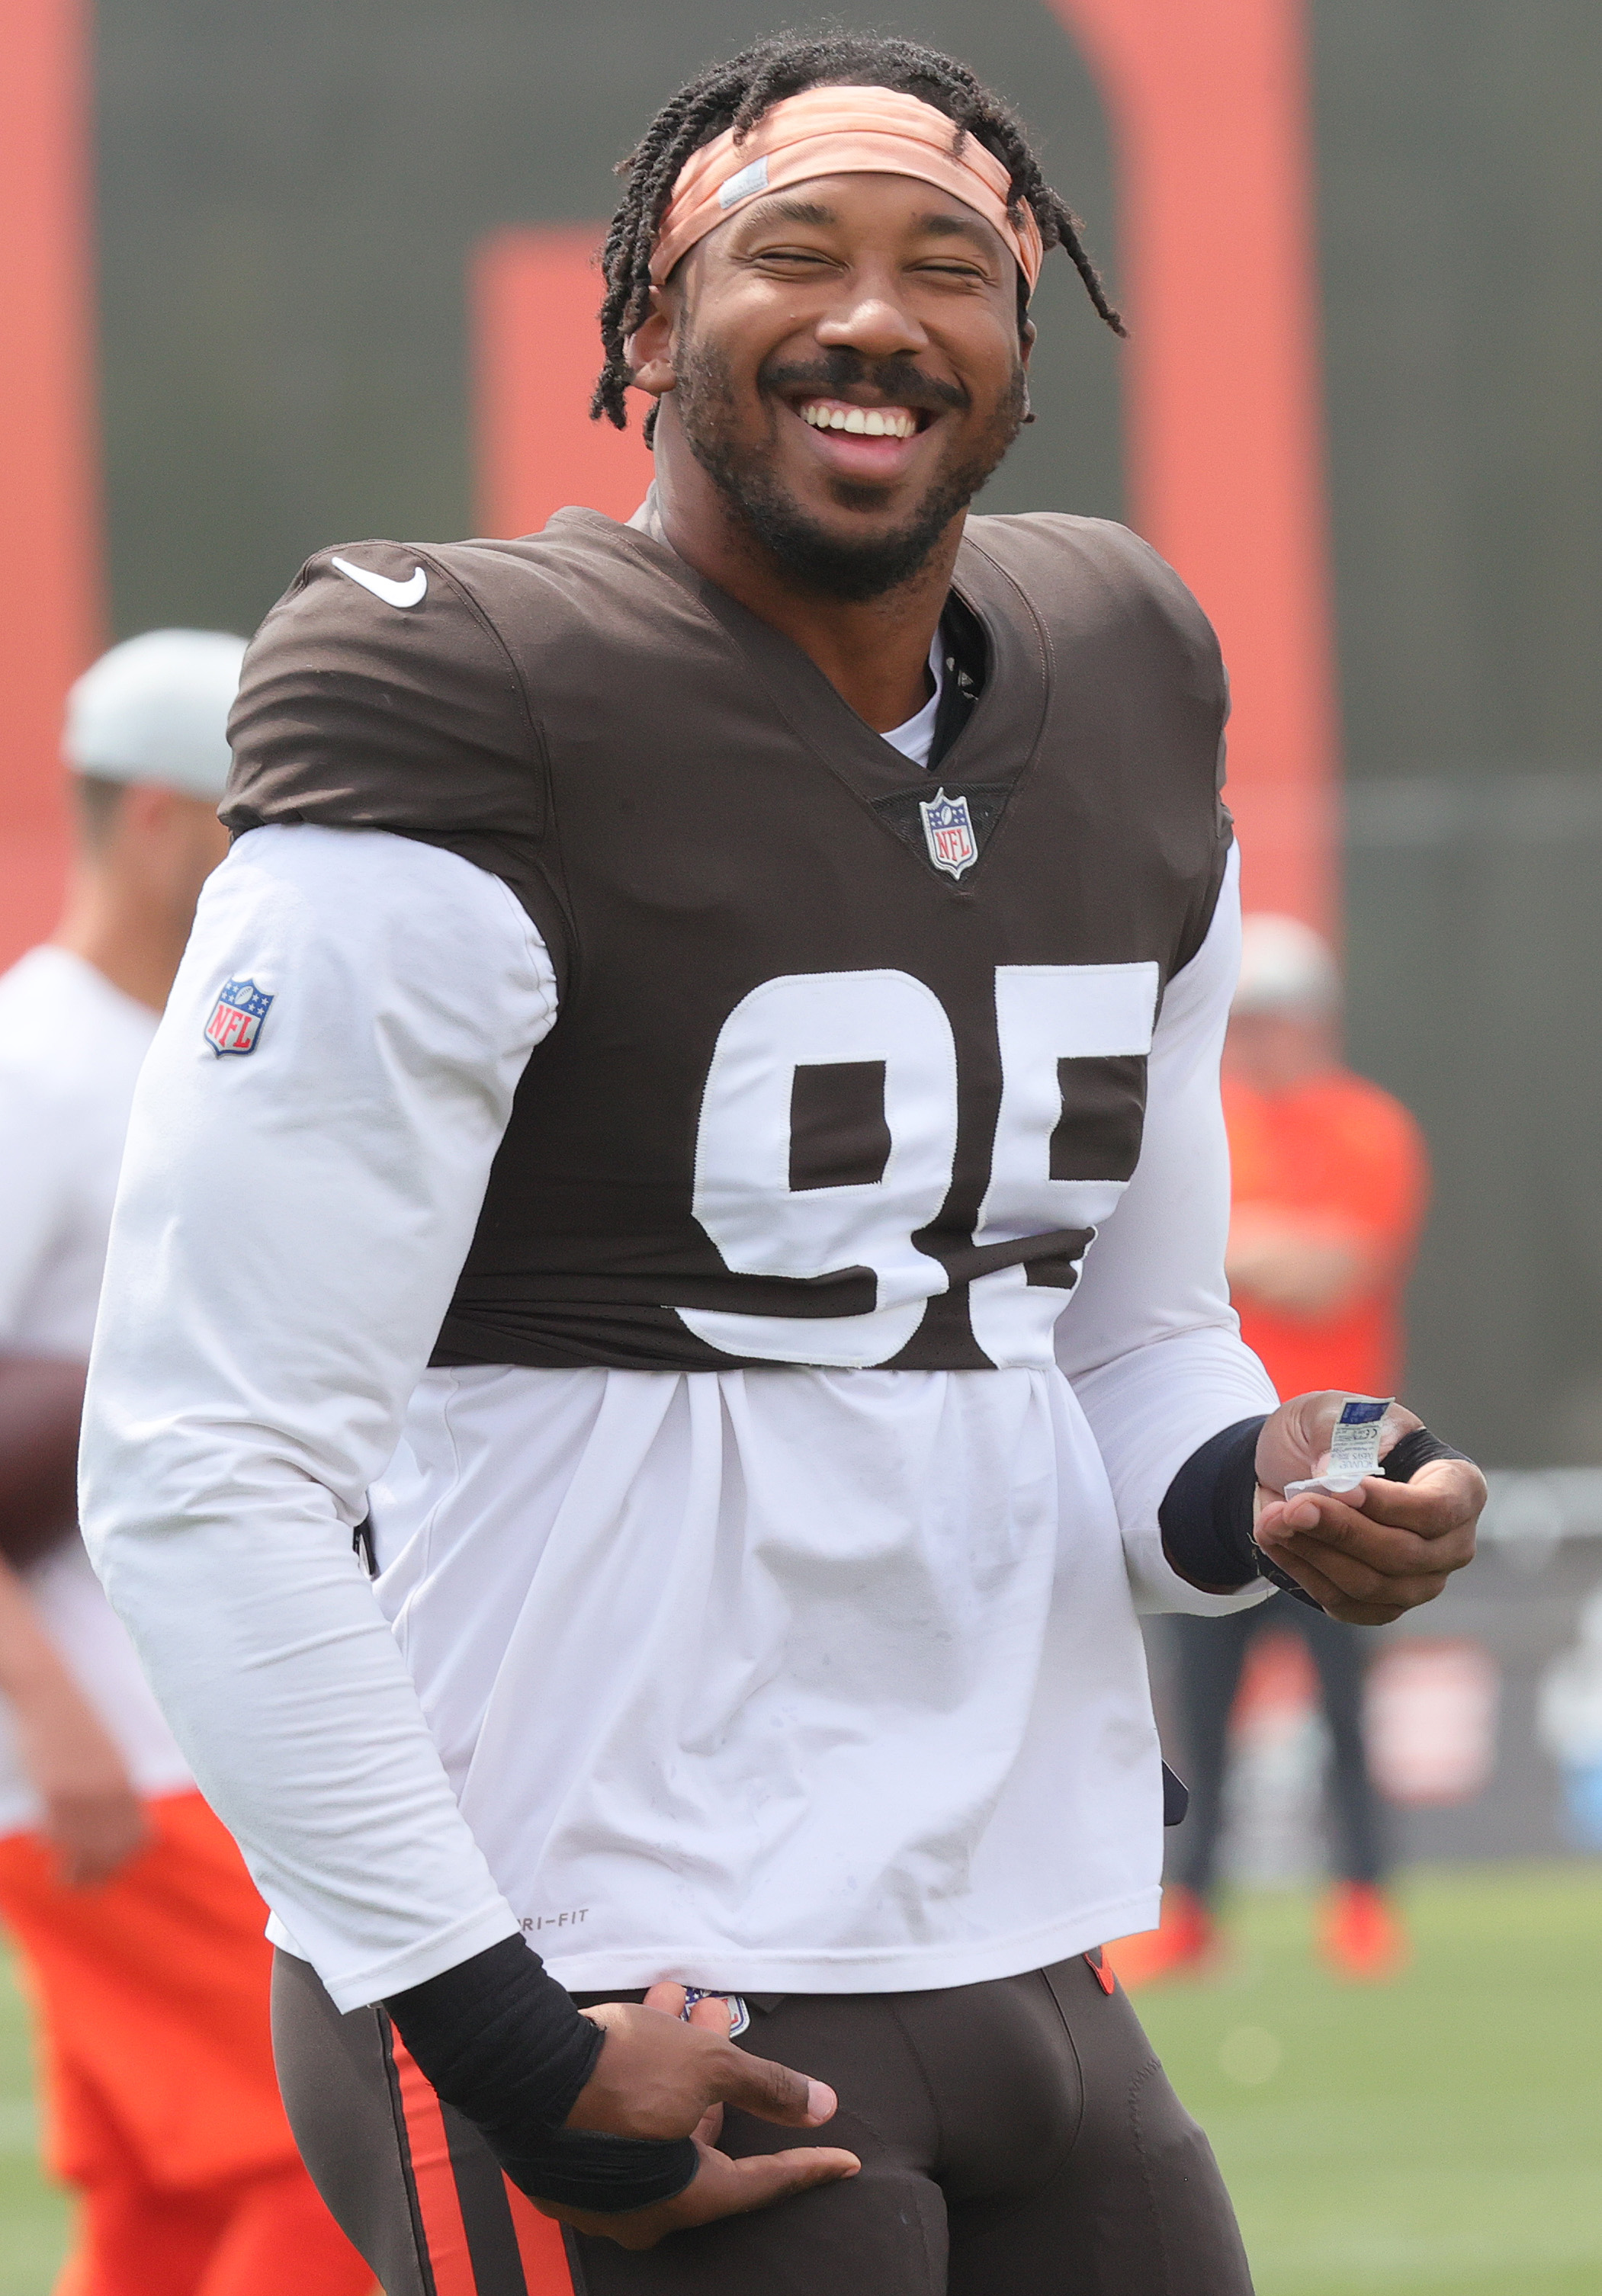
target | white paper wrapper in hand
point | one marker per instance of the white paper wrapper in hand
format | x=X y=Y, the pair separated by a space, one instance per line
x=1353 y=1447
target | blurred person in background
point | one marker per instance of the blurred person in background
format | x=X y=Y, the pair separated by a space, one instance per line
x=1329 y=1181
x=140 y=1935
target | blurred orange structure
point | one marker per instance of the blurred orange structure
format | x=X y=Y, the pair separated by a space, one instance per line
x=1223 y=402
x=1208 y=102
x=535 y=294
x=50 y=602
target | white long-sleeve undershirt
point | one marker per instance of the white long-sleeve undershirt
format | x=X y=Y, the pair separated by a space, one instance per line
x=782 y=1680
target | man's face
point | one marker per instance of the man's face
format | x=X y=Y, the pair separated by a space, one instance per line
x=849 y=372
x=163 y=847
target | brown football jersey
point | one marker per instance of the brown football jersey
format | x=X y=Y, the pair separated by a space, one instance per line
x=849 y=1063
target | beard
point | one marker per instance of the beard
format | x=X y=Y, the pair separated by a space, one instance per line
x=813 y=556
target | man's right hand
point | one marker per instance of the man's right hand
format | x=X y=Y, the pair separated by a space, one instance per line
x=657 y=2076
x=93 y=1819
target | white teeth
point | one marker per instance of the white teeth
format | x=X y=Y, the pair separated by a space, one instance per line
x=872 y=423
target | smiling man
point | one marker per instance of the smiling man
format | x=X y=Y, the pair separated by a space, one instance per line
x=713 y=1173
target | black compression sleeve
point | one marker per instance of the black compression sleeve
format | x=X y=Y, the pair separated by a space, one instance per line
x=499 y=2035
x=1205 y=1517
x=503 y=2042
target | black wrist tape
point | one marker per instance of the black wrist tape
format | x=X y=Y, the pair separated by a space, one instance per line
x=1277 y=1577
x=579 y=2169
x=502 y=2041
x=1402 y=1462
x=1205 y=1517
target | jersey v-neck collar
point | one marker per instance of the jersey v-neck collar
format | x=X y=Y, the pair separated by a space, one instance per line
x=915 y=735
x=990 y=754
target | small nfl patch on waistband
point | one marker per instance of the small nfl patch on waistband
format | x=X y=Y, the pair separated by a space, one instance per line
x=948 y=832
x=739 y=2015
x=236 y=1018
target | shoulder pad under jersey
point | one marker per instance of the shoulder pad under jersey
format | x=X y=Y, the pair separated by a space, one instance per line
x=377 y=694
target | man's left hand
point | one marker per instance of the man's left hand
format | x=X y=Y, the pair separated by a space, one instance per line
x=1375 y=1552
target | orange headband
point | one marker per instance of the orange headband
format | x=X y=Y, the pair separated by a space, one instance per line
x=839 y=131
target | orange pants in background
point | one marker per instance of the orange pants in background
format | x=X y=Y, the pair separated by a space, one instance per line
x=161 y=2106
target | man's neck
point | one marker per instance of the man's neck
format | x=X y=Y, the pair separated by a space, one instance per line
x=875 y=653
x=117 y=933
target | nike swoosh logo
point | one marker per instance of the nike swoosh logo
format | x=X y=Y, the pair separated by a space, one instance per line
x=393 y=593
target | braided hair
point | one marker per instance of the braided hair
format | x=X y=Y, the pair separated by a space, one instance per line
x=737 y=95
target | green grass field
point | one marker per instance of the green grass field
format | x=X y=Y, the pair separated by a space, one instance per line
x=1442 y=2134
x=33 y=2216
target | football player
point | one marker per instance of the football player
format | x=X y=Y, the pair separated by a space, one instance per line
x=719 y=1190
x=133 y=1918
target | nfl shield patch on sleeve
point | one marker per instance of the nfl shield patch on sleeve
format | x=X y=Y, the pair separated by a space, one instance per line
x=234 y=1025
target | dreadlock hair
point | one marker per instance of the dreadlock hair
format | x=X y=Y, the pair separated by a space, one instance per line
x=738 y=95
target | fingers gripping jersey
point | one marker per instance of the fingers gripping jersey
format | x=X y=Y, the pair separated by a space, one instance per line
x=850 y=1060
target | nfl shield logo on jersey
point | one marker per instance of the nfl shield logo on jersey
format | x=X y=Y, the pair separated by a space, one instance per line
x=948 y=832
x=236 y=1017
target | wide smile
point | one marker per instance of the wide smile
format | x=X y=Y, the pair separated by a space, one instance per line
x=862 y=442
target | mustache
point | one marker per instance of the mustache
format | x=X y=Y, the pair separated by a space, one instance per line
x=896 y=380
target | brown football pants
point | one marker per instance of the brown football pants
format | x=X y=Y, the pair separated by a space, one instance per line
x=1017 y=2138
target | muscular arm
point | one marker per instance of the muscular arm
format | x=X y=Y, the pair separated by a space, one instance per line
x=288 y=1232
x=1197 y=1452
x=1149 y=1339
